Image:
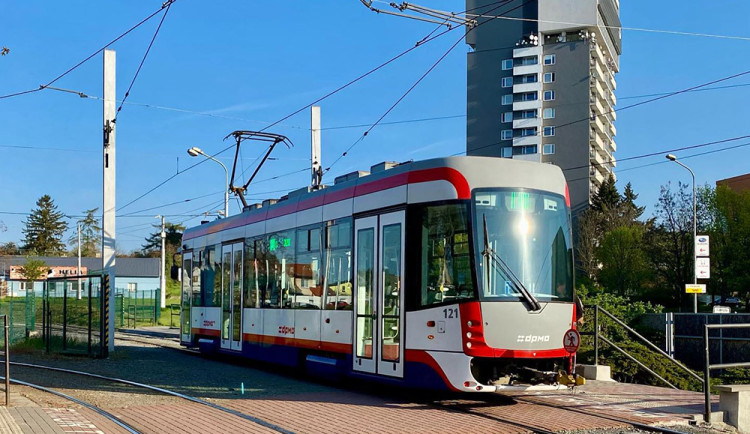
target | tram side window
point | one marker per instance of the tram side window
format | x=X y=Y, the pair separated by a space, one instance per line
x=306 y=277
x=196 y=277
x=445 y=261
x=211 y=277
x=338 y=265
x=280 y=260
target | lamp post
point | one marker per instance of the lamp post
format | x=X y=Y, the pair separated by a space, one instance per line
x=194 y=152
x=672 y=157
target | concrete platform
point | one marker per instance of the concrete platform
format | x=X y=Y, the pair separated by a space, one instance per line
x=633 y=402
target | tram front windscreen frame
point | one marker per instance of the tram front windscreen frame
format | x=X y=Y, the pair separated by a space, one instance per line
x=528 y=232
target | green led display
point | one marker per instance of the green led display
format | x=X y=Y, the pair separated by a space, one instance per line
x=520 y=201
x=275 y=243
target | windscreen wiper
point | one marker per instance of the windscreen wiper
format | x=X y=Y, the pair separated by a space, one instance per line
x=490 y=254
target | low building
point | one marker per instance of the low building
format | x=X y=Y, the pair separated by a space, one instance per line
x=737 y=183
x=131 y=274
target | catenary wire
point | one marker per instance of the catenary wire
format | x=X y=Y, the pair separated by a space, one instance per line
x=434 y=65
x=329 y=94
x=165 y=4
x=143 y=60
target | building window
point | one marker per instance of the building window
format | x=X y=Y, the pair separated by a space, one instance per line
x=548 y=149
x=507 y=64
x=506 y=152
x=507 y=82
x=529 y=96
x=549 y=95
x=525 y=150
x=532 y=60
x=531 y=78
x=528 y=114
x=549 y=77
x=548 y=113
x=506 y=134
x=549 y=131
x=507 y=99
x=132 y=287
x=550 y=59
x=507 y=117
x=528 y=132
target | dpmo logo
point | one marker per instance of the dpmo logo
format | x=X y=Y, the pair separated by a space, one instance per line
x=530 y=339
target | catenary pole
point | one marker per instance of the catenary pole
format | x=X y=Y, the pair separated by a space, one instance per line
x=163 y=279
x=108 y=214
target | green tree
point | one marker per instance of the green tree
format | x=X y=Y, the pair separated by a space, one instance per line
x=624 y=266
x=172 y=242
x=44 y=228
x=91 y=238
x=9 y=248
x=607 y=197
x=669 y=241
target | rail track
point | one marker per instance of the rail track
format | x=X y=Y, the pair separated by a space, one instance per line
x=457 y=407
x=127 y=426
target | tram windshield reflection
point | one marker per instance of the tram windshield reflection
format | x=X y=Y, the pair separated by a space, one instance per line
x=530 y=232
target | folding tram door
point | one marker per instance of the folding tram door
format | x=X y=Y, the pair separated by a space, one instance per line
x=231 y=296
x=186 y=297
x=378 y=344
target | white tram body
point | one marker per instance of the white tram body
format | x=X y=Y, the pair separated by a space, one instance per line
x=383 y=276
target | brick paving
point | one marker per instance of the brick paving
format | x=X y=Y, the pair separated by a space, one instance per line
x=637 y=403
x=302 y=406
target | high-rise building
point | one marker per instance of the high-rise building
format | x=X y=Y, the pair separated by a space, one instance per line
x=541 y=86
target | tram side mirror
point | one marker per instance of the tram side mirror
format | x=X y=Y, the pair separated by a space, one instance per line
x=174 y=272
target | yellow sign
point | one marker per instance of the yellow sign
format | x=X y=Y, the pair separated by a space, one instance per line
x=695 y=289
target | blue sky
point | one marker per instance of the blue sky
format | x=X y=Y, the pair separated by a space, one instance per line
x=249 y=63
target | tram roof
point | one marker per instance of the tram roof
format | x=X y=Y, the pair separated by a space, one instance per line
x=470 y=172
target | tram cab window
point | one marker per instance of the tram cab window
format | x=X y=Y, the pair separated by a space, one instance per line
x=445 y=260
x=338 y=265
x=195 y=274
x=280 y=260
x=307 y=282
x=255 y=272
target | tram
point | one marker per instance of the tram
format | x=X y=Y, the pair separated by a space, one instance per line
x=451 y=273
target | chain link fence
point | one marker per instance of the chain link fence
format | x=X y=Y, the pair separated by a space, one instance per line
x=137 y=308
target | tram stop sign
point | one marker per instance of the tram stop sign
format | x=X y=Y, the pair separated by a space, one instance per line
x=571 y=341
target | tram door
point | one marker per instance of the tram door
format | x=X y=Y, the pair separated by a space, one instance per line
x=231 y=296
x=187 y=295
x=379 y=296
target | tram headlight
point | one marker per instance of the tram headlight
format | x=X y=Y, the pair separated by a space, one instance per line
x=468 y=345
x=468 y=335
x=468 y=323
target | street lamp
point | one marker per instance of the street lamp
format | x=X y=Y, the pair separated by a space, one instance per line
x=672 y=157
x=194 y=152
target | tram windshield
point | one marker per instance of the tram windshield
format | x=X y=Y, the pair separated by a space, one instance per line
x=529 y=234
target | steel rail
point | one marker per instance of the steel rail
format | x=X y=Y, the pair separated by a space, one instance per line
x=161 y=390
x=533 y=428
x=98 y=410
x=608 y=417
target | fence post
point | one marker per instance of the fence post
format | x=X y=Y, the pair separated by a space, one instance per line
x=91 y=314
x=7 y=362
x=65 y=316
x=596 y=334
x=706 y=376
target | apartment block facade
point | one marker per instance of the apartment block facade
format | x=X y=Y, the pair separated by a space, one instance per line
x=541 y=86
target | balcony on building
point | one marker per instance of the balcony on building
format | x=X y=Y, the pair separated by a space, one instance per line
x=597 y=141
x=532 y=50
x=526 y=105
x=529 y=157
x=527 y=69
x=595 y=157
x=527 y=87
x=526 y=141
x=596 y=176
x=528 y=123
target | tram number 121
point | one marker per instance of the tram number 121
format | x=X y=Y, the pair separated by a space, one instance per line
x=451 y=312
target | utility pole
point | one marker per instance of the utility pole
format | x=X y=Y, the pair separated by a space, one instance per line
x=78 y=291
x=108 y=214
x=316 y=171
x=163 y=279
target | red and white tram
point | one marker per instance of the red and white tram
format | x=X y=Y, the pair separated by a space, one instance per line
x=447 y=273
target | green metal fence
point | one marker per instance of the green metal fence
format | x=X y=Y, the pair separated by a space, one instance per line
x=137 y=308
x=22 y=312
x=74 y=315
